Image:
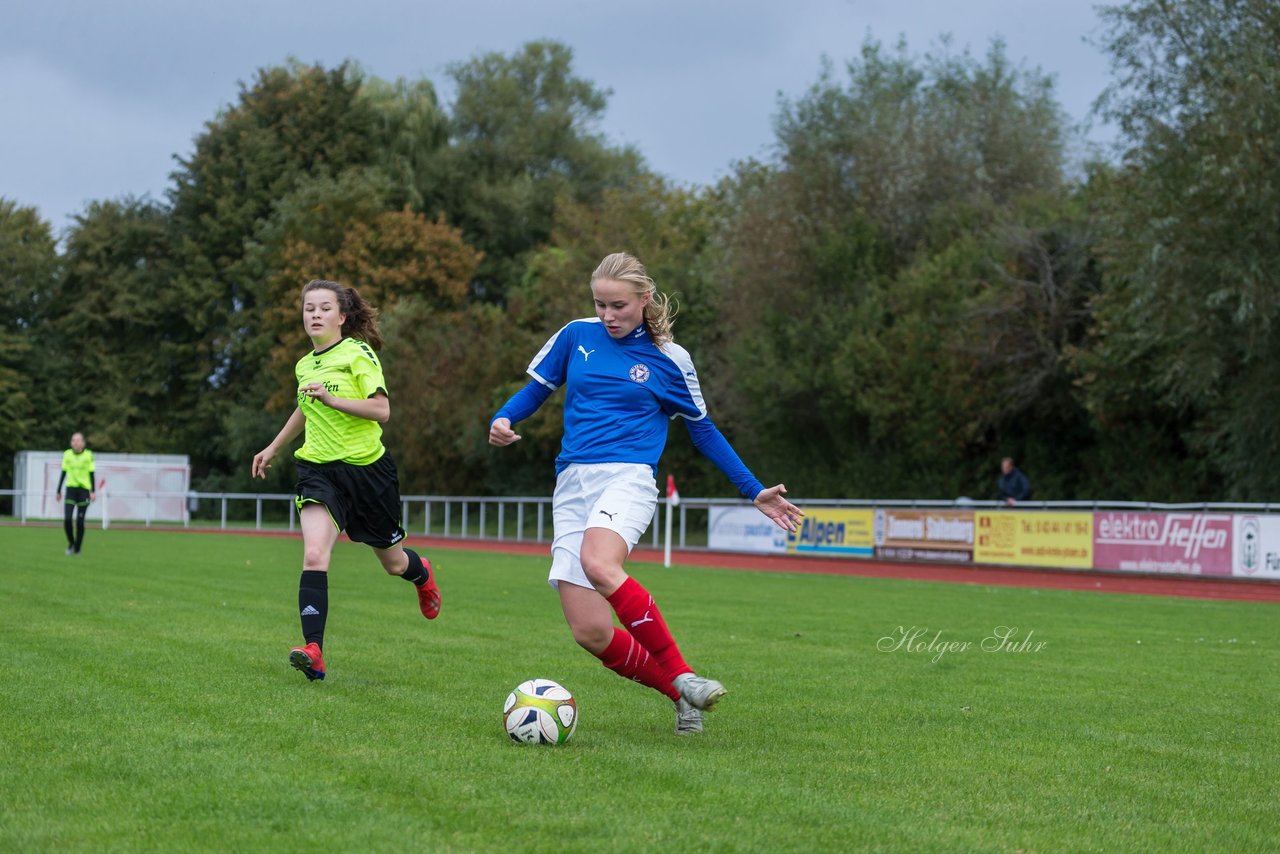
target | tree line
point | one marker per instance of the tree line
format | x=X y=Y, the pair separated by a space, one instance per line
x=923 y=277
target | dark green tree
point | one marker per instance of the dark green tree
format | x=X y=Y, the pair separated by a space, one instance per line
x=28 y=275
x=1186 y=332
x=409 y=133
x=860 y=275
x=125 y=374
x=523 y=131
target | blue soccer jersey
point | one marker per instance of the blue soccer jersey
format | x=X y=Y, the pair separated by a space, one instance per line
x=619 y=395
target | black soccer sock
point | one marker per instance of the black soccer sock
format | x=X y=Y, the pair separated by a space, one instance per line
x=417 y=571
x=80 y=511
x=313 y=605
x=68 y=511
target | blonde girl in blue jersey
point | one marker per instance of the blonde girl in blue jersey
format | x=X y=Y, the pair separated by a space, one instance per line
x=624 y=378
x=347 y=480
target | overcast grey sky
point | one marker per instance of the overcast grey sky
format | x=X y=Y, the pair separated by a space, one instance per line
x=96 y=98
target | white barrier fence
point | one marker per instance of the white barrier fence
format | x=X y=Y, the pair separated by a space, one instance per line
x=460 y=517
x=1201 y=539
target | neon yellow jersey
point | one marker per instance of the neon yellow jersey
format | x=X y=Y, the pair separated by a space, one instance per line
x=79 y=468
x=348 y=369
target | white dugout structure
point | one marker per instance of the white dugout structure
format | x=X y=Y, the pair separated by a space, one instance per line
x=151 y=487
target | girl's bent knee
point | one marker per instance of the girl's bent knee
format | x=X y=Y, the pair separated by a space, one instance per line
x=315 y=559
x=603 y=574
x=392 y=566
x=592 y=638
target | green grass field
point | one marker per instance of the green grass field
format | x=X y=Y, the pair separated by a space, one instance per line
x=148 y=705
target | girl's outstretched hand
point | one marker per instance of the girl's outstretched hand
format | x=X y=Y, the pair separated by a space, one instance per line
x=771 y=503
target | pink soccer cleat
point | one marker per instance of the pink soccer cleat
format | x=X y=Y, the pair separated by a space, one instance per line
x=309 y=660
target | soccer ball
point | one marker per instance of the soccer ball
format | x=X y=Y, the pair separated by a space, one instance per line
x=540 y=712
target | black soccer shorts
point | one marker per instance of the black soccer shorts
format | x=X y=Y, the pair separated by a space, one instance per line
x=77 y=496
x=364 y=501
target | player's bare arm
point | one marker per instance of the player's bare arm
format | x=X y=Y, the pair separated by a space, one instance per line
x=289 y=432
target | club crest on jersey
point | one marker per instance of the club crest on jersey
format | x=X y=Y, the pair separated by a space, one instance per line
x=639 y=373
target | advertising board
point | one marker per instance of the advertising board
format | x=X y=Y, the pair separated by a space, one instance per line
x=1184 y=543
x=932 y=535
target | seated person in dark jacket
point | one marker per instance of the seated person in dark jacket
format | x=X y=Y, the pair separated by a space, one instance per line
x=1013 y=485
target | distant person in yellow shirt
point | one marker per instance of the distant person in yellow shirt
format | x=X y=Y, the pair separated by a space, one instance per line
x=77 y=474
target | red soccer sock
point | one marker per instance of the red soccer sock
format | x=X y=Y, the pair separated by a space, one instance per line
x=626 y=657
x=641 y=617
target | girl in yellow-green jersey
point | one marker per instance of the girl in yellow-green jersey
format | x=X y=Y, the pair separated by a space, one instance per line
x=347 y=480
x=77 y=474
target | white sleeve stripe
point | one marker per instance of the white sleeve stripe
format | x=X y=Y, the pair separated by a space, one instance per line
x=531 y=372
x=546 y=348
x=684 y=364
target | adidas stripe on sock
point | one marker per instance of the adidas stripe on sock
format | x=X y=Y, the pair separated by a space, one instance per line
x=313 y=605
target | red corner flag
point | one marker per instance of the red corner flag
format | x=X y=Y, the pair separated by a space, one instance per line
x=673 y=494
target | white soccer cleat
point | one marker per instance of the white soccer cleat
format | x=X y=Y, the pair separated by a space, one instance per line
x=688 y=719
x=700 y=693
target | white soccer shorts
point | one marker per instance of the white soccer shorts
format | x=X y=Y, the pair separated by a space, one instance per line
x=619 y=496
